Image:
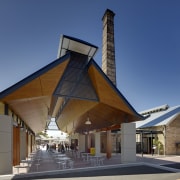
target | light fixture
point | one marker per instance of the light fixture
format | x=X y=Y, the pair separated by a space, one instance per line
x=88 y=122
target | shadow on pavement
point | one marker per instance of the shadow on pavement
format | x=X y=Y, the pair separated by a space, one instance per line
x=134 y=170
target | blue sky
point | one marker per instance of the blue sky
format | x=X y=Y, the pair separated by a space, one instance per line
x=147 y=42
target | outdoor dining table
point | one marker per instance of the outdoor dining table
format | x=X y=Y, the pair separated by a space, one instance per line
x=31 y=157
x=63 y=161
x=32 y=153
x=61 y=155
x=63 y=158
x=97 y=158
x=26 y=161
x=86 y=155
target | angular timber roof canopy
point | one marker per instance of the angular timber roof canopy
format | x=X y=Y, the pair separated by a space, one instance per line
x=71 y=89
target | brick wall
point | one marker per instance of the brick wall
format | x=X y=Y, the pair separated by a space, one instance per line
x=173 y=137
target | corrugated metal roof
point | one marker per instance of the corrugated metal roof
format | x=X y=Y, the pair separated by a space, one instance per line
x=163 y=117
x=155 y=109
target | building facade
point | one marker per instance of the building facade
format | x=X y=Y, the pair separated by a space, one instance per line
x=161 y=129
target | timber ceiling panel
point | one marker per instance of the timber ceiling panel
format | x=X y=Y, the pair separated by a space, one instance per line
x=111 y=110
x=31 y=101
x=33 y=111
x=107 y=93
x=73 y=111
x=101 y=116
x=41 y=86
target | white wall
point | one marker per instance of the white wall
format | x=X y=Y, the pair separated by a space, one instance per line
x=6 y=130
x=128 y=143
x=81 y=143
x=29 y=144
x=97 y=143
x=23 y=146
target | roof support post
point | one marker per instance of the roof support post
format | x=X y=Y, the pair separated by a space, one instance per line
x=109 y=145
x=142 y=148
x=164 y=140
x=152 y=150
x=128 y=143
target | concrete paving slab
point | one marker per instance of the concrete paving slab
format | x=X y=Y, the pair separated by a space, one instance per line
x=147 y=167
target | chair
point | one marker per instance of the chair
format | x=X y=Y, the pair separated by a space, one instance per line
x=78 y=155
x=19 y=166
x=59 y=164
x=83 y=157
x=71 y=164
x=101 y=161
x=37 y=159
x=63 y=164
x=93 y=161
x=37 y=167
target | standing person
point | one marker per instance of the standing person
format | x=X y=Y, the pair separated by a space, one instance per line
x=153 y=149
x=59 y=147
x=47 y=147
x=55 y=146
x=62 y=148
x=66 y=146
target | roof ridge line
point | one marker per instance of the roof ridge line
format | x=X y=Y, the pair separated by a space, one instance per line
x=156 y=109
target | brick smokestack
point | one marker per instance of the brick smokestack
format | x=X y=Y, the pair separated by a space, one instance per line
x=108 y=47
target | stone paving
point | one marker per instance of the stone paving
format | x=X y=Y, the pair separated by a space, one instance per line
x=48 y=163
x=146 y=164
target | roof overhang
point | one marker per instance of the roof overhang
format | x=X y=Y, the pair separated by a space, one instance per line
x=70 y=89
x=108 y=112
x=31 y=97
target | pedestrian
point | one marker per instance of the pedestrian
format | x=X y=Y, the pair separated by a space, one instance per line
x=47 y=147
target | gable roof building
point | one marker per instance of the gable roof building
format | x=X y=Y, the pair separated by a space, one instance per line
x=163 y=125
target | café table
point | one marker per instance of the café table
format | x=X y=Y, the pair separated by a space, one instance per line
x=96 y=160
x=87 y=155
x=63 y=161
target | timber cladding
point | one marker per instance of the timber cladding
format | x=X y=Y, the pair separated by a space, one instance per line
x=16 y=146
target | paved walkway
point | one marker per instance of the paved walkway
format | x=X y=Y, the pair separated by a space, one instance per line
x=147 y=167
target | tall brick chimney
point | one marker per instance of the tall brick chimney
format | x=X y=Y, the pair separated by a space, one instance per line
x=108 y=47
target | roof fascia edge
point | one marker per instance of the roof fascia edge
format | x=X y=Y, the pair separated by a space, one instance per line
x=164 y=116
x=92 y=62
x=76 y=40
x=33 y=76
x=79 y=40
